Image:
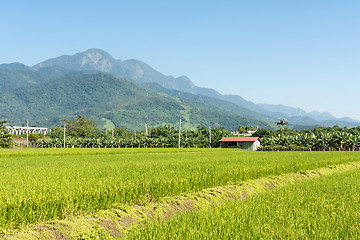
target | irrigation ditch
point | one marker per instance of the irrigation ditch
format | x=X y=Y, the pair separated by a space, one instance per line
x=116 y=222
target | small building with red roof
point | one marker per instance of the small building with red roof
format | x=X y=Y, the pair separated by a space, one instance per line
x=246 y=143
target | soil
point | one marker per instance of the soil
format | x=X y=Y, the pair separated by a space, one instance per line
x=54 y=233
x=111 y=228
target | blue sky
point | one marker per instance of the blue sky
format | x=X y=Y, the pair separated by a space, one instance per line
x=298 y=53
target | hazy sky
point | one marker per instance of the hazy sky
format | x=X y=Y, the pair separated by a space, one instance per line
x=303 y=53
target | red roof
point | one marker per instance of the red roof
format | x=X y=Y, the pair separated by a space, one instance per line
x=239 y=139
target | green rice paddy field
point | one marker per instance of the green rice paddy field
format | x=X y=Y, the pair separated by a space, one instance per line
x=324 y=208
x=45 y=186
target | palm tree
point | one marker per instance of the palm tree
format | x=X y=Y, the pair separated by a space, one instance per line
x=282 y=122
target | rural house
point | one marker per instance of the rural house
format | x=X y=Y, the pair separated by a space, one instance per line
x=246 y=143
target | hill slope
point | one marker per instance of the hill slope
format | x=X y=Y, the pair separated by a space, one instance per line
x=102 y=96
x=18 y=75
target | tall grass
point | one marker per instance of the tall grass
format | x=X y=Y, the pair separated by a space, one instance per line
x=45 y=185
x=324 y=208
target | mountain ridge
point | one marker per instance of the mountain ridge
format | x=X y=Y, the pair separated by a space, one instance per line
x=183 y=83
x=97 y=60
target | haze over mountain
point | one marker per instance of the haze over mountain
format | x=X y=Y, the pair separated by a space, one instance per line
x=35 y=92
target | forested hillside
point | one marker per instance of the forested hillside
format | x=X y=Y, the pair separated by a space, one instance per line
x=103 y=97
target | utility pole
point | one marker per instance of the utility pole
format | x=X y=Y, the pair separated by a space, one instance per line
x=179 y=132
x=27 y=133
x=64 y=134
x=146 y=129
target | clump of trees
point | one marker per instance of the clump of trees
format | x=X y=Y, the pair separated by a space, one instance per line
x=81 y=127
x=245 y=129
x=5 y=137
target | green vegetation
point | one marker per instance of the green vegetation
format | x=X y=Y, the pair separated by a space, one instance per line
x=242 y=129
x=33 y=137
x=282 y=122
x=123 y=103
x=323 y=208
x=46 y=184
x=41 y=93
x=319 y=139
x=81 y=133
x=17 y=75
x=5 y=137
x=81 y=127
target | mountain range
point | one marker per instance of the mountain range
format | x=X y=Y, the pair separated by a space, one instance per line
x=129 y=94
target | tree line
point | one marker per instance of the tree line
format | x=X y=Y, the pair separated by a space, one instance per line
x=319 y=139
x=82 y=132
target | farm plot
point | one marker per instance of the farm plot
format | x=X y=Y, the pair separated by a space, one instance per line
x=45 y=185
x=323 y=208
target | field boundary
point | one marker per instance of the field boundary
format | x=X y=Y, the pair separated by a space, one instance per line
x=116 y=222
x=45 y=152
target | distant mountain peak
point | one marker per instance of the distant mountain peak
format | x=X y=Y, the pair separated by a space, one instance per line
x=98 y=59
x=91 y=59
x=96 y=51
x=95 y=59
x=95 y=55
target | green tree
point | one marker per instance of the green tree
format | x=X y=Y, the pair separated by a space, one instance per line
x=282 y=122
x=250 y=128
x=81 y=127
x=217 y=134
x=166 y=131
x=262 y=132
x=33 y=137
x=5 y=137
x=123 y=133
x=241 y=129
x=56 y=132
